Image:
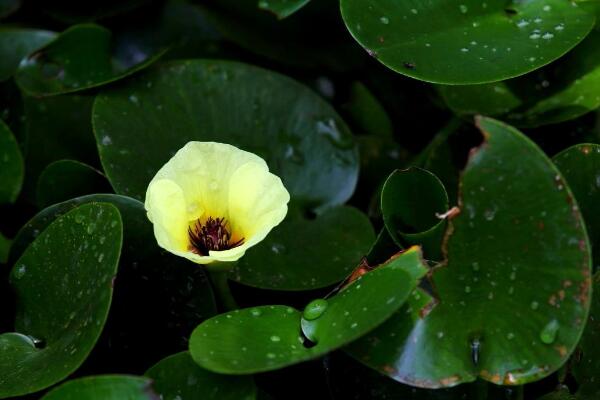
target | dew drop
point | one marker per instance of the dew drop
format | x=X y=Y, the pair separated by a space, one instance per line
x=275 y=338
x=534 y=305
x=315 y=309
x=256 y=312
x=20 y=272
x=463 y=8
x=548 y=333
x=384 y=20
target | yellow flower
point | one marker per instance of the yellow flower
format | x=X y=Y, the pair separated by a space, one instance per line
x=212 y=201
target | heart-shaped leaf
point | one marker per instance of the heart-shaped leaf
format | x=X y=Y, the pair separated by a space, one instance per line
x=11 y=166
x=564 y=91
x=17 y=43
x=307 y=254
x=79 y=58
x=152 y=285
x=411 y=201
x=269 y=337
x=519 y=226
x=179 y=377
x=580 y=165
x=282 y=8
x=63 y=286
x=301 y=137
x=56 y=128
x=104 y=387
x=65 y=179
x=466 y=41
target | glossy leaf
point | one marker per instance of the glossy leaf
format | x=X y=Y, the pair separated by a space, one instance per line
x=518 y=224
x=63 y=287
x=79 y=58
x=580 y=165
x=564 y=91
x=368 y=113
x=152 y=285
x=307 y=254
x=11 y=166
x=269 y=337
x=466 y=41
x=104 y=387
x=301 y=137
x=179 y=377
x=411 y=201
x=282 y=8
x=16 y=43
x=586 y=368
x=324 y=46
x=56 y=128
x=66 y=179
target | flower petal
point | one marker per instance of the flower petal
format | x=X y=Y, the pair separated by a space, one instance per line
x=166 y=209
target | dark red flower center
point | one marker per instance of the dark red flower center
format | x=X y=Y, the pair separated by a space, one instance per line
x=213 y=234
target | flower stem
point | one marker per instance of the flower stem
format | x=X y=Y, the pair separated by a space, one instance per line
x=218 y=279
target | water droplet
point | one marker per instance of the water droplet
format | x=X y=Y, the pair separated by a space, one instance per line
x=384 y=20
x=475 y=266
x=133 y=98
x=534 y=305
x=277 y=248
x=256 y=312
x=464 y=50
x=19 y=272
x=535 y=36
x=546 y=8
x=414 y=11
x=91 y=228
x=275 y=338
x=522 y=23
x=510 y=336
x=329 y=129
x=315 y=309
x=440 y=334
x=463 y=8
x=271 y=355
x=548 y=333
x=467 y=289
x=106 y=140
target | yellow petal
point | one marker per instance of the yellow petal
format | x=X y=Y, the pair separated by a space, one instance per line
x=207 y=179
x=166 y=209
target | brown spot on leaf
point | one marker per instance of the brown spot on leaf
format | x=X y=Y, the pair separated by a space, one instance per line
x=562 y=350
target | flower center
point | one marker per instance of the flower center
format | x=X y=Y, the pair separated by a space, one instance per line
x=213 y=234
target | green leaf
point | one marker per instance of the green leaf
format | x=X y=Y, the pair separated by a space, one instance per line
x=518 y=227
x=586 y=368
x=8 y=7
x=282 y=8
x=269 y=337
x=325 y=46
x=152 y=285
x=411 y=201
x=104 y=387
x=69 y=12
x=466 y=41
x=564 y=91
x=580 y=165
x=301 y=137
x=179 y=377
x=56 y=128
x=79 y=58
x=307 y=254
x=11 y=166
x=368 y=113
x=63 y=287
x=16 y=43
x=5 y=244
x=65 y=179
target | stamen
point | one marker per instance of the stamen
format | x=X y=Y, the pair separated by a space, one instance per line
x=212 y=235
